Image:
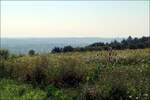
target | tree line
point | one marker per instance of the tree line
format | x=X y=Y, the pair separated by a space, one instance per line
x=129 y=43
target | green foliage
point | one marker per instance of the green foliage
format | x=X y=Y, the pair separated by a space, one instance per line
x=109 y=91
x=129 y=43
x=4 y=53
x=98 y=44
x=70 y=73
x=93 y=75
x=97 y=75
x=68 y=49
x=118 y=91
x=13 y=56
x=10 y=90
x=54 y=93
x=31 y=52
x=57 y=50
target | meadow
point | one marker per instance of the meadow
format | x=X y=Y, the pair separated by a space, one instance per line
x=90 y=75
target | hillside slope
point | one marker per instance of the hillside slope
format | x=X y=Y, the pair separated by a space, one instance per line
x=97 y=75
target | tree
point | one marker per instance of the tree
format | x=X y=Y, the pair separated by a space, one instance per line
x=129 y=39
x=97 y=44
x=140 y=45
x=4 y=53
x=57 y=50
x=68 y=49
x=115 y=45
x=132 y=46
x=31 y=52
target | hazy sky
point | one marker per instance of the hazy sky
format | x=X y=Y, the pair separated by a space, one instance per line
x=74 y=18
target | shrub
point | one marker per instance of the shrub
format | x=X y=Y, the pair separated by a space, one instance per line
x=118 y=91
x=141 y=45
x=11 y=90
x=38 y=75
x=97 y=44
x=54 y=93
x=4 y=53
x=69 y=73
x=31 y=52
x=132 y=46
x=108 y=91
x=35 y=94
x=57 y=50
x=68 y=49
x=13 y=56
x=126 y=74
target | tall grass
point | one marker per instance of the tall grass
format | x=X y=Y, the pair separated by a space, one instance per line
x=116 y=75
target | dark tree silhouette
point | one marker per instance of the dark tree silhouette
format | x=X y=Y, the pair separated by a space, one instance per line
x=31 y=52
x=57 y=50
x=129 y=43
x=4 y=53
x=68 y=49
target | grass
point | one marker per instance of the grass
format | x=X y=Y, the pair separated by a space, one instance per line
x=11 y=90
x=96 y=75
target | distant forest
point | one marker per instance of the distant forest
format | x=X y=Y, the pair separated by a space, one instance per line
x=129 y=43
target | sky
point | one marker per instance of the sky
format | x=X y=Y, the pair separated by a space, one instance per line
x=74 y=18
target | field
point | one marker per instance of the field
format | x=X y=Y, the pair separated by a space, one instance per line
x=96 y=75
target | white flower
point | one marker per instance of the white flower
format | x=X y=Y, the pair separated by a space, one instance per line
x=146 y=95
x=137 y=98
x=130 y=96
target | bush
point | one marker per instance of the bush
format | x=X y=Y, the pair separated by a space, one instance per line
x=38 y=76
x=42 y=71
x=11 y=90
x=69 y=73
x=141 y=45
x=31 y=52
x=13 y=56
x=4 y=53
x=68 y=49
x=57 y=50
x=54 y=93
x=108 y=91
x=132 y=46
x=97 y=44
x=66 y=76
x=118 y=91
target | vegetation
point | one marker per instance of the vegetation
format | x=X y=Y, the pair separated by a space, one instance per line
x=96 y=75
x=4 y=53
x=129 y=43
x=57 y=50
x=31 y=52
x=67 y=49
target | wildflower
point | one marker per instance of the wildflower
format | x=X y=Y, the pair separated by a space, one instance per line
x=130 y=96
x=145 y=95
x=137 y=98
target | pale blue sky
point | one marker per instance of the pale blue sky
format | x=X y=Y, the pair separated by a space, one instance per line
x=74 y=18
